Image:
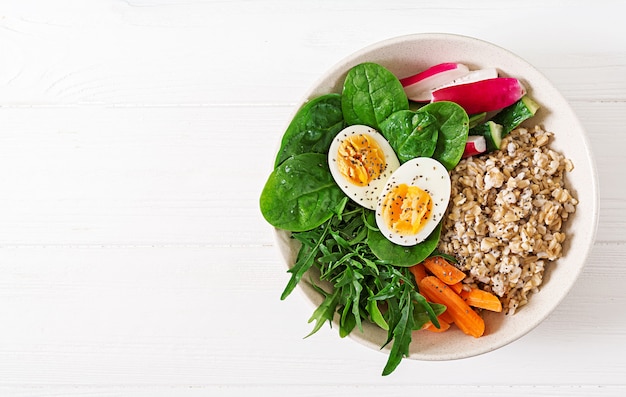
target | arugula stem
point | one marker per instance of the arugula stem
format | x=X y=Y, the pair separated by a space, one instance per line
x=302 y=266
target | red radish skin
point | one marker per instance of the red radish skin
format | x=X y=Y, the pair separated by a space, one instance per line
x=419 y=86
x=476 y=144
x=482 y=96
x=431 y=71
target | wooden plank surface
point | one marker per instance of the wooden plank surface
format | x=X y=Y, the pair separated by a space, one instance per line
x=134 y=142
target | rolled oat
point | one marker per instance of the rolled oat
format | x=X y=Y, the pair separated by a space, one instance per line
x=506 y=215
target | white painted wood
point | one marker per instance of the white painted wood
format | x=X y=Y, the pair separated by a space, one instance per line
x=134 y=141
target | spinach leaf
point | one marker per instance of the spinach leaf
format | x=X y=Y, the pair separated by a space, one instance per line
x=371 y=93
x=300 y=194
x=399 y=255
x=411 y=134
x=453 y=131
x=313 y=128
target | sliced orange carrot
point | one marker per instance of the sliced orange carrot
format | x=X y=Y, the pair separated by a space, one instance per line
x=464 y=316
x=482 y=299
x=419 y=271
x=445 y=316
x=443 y=326
x=457 y=287
x=444 y=270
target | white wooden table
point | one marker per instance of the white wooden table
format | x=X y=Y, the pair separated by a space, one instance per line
x=134 y=142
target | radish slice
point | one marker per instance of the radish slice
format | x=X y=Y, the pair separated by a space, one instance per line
x=476 y=144
x=474 y=75
x=483 y=95
x=418 y=87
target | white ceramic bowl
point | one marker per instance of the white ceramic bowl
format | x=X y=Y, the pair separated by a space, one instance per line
x=404 y=56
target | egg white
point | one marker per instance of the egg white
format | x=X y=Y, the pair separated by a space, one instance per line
x=367 y=196
x=432 y=177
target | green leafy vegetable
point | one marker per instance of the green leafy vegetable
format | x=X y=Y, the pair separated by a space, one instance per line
x=367 y=277
x=492 y=132
x=371 y=93
x=300 y=194
x=399 y=255
x=422 y=313
x=410 y=314
x=339 y=250
x=376 y=316
x=313 y=128
x=411 y=134
x=476 y=119
x=513 y=115
x=325 y=311
x=453 y=131
x=402 y=330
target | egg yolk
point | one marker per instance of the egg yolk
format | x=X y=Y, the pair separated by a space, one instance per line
x=360 y=159
x=406 y=209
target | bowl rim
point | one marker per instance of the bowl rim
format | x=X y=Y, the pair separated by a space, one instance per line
x=340 y=68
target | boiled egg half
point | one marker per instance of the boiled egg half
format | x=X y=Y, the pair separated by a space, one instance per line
x=361 y=160
x=413 y=201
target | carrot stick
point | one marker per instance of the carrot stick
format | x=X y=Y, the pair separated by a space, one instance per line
x=457 y=287
x=444 y=270
x=464 y=316
x=443 y=326
x=419 y=272
x=445 y=316
x=482 y=299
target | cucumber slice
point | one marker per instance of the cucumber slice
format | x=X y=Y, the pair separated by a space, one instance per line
x=492 y=132
x=512 y=116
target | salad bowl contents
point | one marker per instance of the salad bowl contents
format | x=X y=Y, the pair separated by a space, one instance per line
x=433 y=196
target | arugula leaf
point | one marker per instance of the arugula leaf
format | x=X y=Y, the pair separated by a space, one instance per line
x=401 y=331
x=421 y=302
x=347 y=322
x=361 y=281
x=374 y=311
x=325 y=311
x=422 y=317
x=306 y=258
